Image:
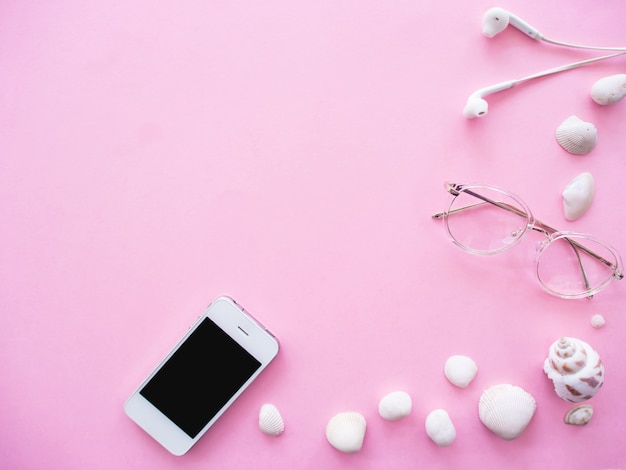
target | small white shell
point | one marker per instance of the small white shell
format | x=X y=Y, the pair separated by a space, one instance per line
x=440 y=428
x=460 y=370
x=506 y=410
x=578 y=196
x=597 y=321
x=609 y=90
x=395 y=405
x=346 y=431
x=270 y=420
x=579 y=415
x=577 y=136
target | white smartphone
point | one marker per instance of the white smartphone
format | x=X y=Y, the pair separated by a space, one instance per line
x=218 y=358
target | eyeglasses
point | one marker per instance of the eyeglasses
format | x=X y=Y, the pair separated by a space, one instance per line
x=486 y=220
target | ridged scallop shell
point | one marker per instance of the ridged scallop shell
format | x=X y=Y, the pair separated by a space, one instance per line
x=395 y=405
x=506 y=410
x=575 y=369
x=346 y=431
x=440 y=428
x=577 y=136
x=270 y=420
x=460 y=370
x=578 y=196
x=579 y=415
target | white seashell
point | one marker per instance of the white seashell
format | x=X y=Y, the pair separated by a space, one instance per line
x=270 y=420
x=575 y=369
x=577 y=136
x=460 y=370
x=597 y=321
x=395 y=405
x=609 y=90
x=506 y=410
x=440 y=428
x=578 y=195
x=346 y=431
x=579 y=415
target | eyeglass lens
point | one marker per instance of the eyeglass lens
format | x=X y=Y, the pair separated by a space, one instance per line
x=484 y=227
x=565 y=267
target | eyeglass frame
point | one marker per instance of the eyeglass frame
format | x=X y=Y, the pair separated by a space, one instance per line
x=532 y=223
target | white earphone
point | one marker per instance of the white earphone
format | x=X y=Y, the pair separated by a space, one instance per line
x=609 y=90
x=477 y=106
x=496 y=20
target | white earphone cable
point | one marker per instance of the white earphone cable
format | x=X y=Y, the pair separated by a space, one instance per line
x=579 y=46
x=564 y=68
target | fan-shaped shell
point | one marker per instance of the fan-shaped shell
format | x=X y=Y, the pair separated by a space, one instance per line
x=575 y=369
x=346 y=431
x=460 y=370
x=578 y=195
x=270 y=420
x=577 y=136
x=506 y=410
x=395 y=405
x=579 y=415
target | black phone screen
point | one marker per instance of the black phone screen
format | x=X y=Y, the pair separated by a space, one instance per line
x=200 y=378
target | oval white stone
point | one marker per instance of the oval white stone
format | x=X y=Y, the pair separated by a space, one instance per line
x=395 y=405
x=440 y=428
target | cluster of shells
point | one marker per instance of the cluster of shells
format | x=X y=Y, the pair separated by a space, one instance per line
x=506 y=410
x=579 y=138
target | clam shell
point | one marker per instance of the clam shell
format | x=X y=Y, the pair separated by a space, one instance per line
x=346 y=431
x=579 y=415
x=575 y=369
x=460 y=370
x=609 y=90
x=577 y=136
x=270 y=420
x=395 y=405
x=440 y=428
x=506 y=410
x=578 y=196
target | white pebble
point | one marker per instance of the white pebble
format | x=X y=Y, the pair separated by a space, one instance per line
x=395 y=405
x=439 y=428
x=597 y=321
x=460 y=370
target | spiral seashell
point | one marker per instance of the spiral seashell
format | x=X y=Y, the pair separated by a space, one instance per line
x=395 y=405
x=440 y=428
x=346 y=431
x=575 y=369
x=577 y=136
x=506 y=410
x=460 y=370
x=270 y=420
x=579 y=415
x=578 y=195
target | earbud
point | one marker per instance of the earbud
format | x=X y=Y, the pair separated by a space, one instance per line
x=609 y=90
x=477 y=106
x=497 y=19
x=616 y=87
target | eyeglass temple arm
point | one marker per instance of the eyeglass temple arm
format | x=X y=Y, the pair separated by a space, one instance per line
x=539 y=225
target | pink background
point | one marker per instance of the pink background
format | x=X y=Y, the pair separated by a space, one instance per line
x=154 y=155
